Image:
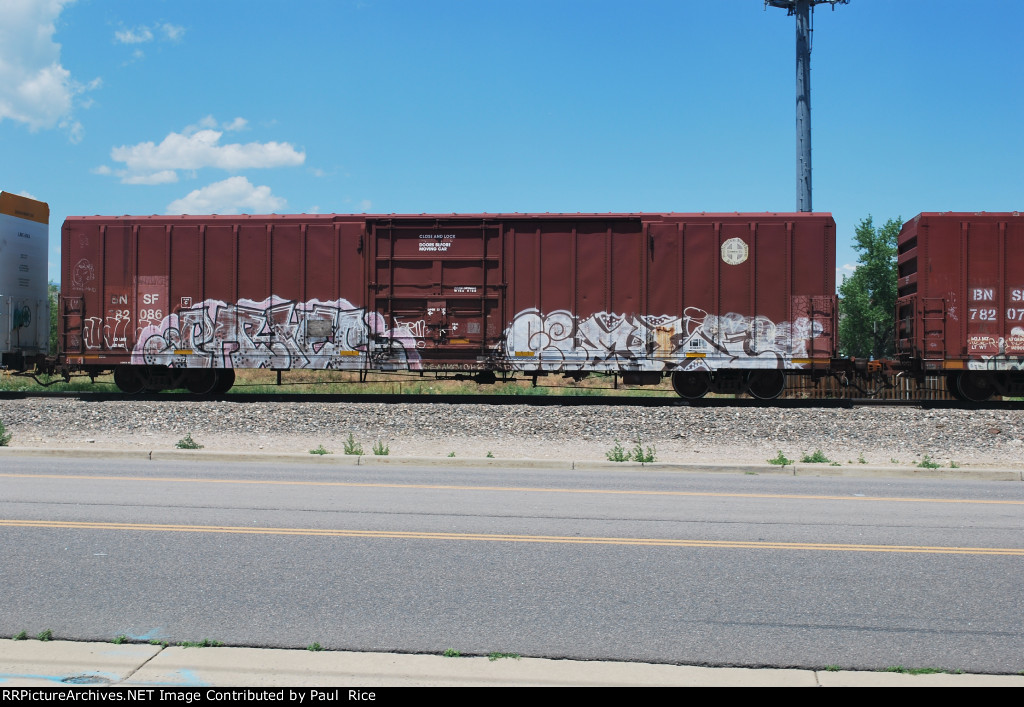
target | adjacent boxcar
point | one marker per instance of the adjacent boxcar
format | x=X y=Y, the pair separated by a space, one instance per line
x=728 y=302
x=24 y=300
x=961 y=301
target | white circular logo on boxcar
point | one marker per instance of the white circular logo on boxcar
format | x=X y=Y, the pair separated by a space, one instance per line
x=734 y=251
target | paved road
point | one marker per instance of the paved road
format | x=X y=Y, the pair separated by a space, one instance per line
x=699 y=569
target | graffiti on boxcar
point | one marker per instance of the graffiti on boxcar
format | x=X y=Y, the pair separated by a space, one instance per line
x=608 y=341
x=109 y=333
x=1008 y=352
x=274 y=333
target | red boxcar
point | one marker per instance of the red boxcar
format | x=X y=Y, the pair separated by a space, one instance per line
x=961 y=301
x=719 y=301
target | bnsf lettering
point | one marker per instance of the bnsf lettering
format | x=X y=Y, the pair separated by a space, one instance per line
x=1017 y=295
x=150 y=299
x=118 y=299
x=983 y=295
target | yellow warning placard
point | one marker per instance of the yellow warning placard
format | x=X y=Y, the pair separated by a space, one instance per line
x=23 y=207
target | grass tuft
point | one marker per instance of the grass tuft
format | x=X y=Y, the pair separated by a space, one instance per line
x=314 y=647
x=498 y=656
x=780 y=460
x=205 y=643
x=380 y=449
x=927 y=463
x=320 y=450
x=451 y=653
x=46 y=635
x=5 y=436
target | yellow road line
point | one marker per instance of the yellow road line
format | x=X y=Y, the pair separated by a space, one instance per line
x=489 y=537
x=520 y=489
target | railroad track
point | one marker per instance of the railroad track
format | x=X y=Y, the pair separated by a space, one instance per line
x=667 y=400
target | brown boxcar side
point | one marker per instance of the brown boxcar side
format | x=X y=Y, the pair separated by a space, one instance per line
x=720 y=301
x=961 y=300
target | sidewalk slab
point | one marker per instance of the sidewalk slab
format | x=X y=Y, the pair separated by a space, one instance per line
x=251 y=667
x=61 y=663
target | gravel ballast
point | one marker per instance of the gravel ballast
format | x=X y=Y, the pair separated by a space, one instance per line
x=874 y=435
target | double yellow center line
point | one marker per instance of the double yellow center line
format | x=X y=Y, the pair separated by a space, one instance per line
x=497 y=537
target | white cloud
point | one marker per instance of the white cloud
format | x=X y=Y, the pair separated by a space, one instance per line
x=167 y=176
x=234 y=195
x=139 y=35
x=199 y=146
x=144 y=34
x=35 y=88
x=172 y=32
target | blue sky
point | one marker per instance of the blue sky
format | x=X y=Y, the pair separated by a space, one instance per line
x=128 y=107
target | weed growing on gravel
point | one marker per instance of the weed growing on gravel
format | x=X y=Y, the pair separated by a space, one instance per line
x=451 y=454
x=861 y=459
x=46 y=635
x=953 y=464
x=894 y=460
x=641 y=455
x=780 y=460
x=817 y=458
x=352 y=446
x=617 y=453
x=187 y=442
x=451 y=653
x=5 y=436
x=927 y=463
x=490 y=456
x=381 y=449
x=321 y=451
x=314 y=647
x=20 y=636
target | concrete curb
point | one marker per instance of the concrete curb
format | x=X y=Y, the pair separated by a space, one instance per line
x=851 y=471
x=62 y=663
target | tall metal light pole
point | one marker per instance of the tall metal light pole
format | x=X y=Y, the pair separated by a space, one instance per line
x=803 y=9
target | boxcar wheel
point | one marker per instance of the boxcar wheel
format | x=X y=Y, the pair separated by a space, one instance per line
x=225 y=379
x=953 y=387
x=691 y=384
x=201 y=381
x=976 y=387
x=129 y=379
x=766 y=384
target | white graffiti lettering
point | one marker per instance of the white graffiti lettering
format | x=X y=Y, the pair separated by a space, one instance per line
x=610 y=341
x=274 y=333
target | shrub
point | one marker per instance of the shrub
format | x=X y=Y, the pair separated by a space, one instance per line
x=187 y=442
x=817 y=458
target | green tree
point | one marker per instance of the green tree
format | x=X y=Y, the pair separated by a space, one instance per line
x=867 y=298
